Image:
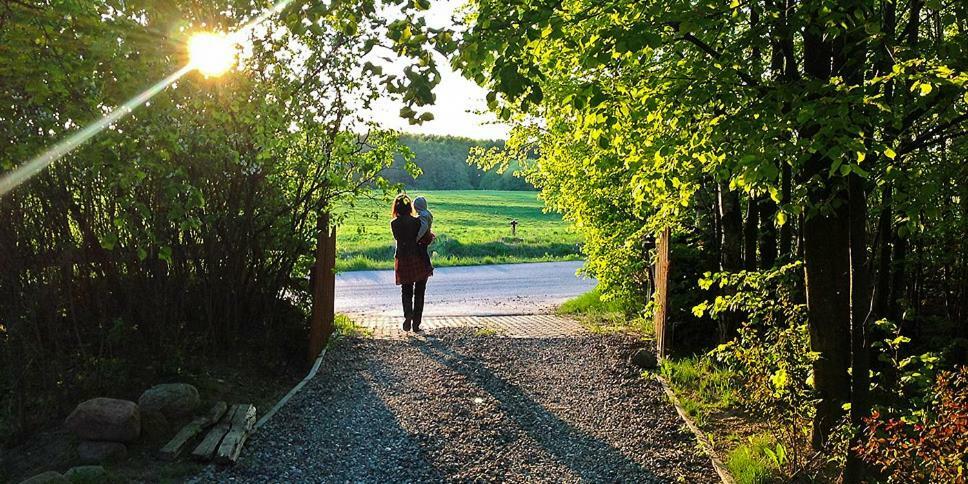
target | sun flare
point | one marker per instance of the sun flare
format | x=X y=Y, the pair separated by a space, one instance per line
x=211 y=53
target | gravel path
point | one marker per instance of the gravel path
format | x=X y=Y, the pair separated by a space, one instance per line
x=455 y=406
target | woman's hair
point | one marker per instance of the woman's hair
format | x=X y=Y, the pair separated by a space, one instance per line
x=401 y=205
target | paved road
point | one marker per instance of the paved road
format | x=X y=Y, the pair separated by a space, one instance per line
x=467 y=291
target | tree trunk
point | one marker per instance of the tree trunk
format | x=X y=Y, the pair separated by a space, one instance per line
x=767 y=233
x=750 y=234
x=885 y=228
x=860 y=310
x=827 y=261
x=731 y=261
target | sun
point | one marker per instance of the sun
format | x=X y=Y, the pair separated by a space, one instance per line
x=211 y=53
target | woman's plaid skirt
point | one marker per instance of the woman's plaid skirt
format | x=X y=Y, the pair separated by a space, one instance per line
x=412 y=268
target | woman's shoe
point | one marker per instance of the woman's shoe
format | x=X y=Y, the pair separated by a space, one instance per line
x=406 y=325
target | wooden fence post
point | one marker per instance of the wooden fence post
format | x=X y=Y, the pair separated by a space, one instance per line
x=324 y=287
x=663 y=333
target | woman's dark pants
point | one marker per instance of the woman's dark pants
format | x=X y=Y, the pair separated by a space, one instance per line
x=413 y=300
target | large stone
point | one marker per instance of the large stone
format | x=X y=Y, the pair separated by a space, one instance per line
x=154 y=426
x=644 y=359
x=174 y=400
x=105 y=419
x=92 y=474
x=91 y=452
x=49 y=477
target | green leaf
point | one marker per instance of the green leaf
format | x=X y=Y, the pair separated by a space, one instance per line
x=164 y=254
x=889 y=153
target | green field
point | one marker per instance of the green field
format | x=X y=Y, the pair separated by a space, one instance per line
x=472 y=227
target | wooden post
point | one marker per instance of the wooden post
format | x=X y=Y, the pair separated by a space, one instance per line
x=324 y=287
x=663 y=334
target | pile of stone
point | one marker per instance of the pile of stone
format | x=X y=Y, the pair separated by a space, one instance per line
x=106 y=426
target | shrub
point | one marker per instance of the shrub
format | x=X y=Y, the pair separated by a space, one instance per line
x=923 y=446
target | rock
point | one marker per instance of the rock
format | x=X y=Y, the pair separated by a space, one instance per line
x=644 y=358
x=105 y=419
x=154 y=425
x=91 y=452
x=174 y=400
x=49 y=477
x=91 y=474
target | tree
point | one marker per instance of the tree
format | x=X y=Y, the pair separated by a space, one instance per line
x=789 y=101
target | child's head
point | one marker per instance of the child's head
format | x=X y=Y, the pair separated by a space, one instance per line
x=420 y=203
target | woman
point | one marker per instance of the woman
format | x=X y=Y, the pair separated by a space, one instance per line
x=410 y=263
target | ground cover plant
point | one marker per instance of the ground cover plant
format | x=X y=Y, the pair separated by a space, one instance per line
x=472 y=228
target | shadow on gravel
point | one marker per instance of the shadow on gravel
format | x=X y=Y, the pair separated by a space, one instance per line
x=582 y=453
x=339 y=429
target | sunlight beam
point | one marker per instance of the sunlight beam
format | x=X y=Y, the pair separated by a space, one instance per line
x=207 y=64
x=24 y=172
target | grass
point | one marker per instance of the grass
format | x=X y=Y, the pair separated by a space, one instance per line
x=702 y=388
x=347 y=327
x=749 y=463
x=472 y=228
x=602 y=316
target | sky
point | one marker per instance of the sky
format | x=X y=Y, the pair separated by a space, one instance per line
x=460 y=110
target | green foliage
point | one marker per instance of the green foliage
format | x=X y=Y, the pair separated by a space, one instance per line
x=187 y=227
x=757 y=461
x=443 y=165
x=472 y=228
x=771 y=356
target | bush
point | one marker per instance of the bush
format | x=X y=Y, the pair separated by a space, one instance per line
x=923 y=446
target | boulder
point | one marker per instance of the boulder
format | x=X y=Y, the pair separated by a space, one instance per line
x=154 y=425
x=91 y=474
x=174 y=400
x=91 y=452
x=644 y=359
x=105 y=419
x=49 y=477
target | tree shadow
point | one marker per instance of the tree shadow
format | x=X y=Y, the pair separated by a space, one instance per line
x=340 y=429
x=588 y=457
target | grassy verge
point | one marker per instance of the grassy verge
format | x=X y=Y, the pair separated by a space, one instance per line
x=709 y=394
x=472 y=228
x=347 y=327
x=710 y=397
x=605 y=316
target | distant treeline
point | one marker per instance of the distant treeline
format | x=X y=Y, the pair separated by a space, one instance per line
x=443 y=160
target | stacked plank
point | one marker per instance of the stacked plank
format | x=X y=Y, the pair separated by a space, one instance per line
x=229 y=427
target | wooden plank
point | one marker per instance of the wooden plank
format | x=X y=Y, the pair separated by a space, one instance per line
x=231 y=446
x=173 y=449
x=663 y=336
x=206 y=449
x=324 y=287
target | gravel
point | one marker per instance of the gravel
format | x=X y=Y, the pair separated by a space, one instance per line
x=455 y=406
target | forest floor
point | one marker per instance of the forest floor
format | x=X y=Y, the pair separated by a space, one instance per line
x=539 y=402
x=472 y=228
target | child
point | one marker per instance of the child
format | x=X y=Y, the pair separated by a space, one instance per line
x=425 y=236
